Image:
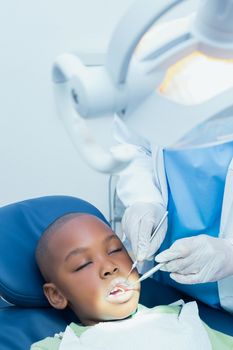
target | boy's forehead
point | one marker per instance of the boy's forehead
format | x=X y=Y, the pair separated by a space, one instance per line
x=84 y=222
x=81 y=227
x=81 y=220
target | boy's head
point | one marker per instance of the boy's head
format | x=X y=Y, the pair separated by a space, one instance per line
x=85 y=267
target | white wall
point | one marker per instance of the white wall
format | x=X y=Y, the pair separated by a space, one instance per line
x=37 y=157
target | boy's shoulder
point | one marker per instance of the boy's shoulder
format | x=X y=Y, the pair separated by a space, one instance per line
x=49 y=343
x=53 y=343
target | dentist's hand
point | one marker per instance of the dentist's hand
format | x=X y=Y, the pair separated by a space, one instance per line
x=138 y=223
x=198 y=259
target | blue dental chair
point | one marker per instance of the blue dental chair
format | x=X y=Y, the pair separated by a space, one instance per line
x=25 y=316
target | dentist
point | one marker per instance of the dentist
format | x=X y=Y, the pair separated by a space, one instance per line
x=194 y=185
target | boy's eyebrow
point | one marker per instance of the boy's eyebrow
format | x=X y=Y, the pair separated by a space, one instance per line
x=82 y=250
x=75 y=252
x=109 y=238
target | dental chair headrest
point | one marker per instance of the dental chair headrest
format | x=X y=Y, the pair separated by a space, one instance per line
x=21 y=225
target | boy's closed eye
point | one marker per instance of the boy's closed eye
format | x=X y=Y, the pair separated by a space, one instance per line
x=115 y=250
x=111 y=251
x=82 y=266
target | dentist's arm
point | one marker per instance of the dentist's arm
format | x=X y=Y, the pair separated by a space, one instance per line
x=138 y=190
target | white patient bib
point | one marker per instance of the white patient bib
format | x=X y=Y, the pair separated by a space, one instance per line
x=148 y=329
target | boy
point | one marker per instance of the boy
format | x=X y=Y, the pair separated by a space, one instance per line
x=85 y=267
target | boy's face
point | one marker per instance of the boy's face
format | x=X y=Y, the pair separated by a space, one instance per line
x=91 y=266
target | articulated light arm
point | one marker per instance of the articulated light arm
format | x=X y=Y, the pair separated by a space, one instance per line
x=94 y=154
x=140 y=17
x=123 y=83
x=79 y=87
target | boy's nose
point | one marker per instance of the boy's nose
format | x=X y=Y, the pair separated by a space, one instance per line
x=109 y=270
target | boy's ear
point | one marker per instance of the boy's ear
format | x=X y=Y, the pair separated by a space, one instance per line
x=54 y=296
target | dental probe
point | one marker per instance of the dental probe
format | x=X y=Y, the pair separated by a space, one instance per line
x=152 y=236
x=159 y=225
x=133 y=266
x=148 y=273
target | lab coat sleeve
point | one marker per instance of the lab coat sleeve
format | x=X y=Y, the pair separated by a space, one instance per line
x=137 y=182
x=143 y=180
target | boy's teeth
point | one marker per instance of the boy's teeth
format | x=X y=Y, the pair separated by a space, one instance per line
x=117 y=291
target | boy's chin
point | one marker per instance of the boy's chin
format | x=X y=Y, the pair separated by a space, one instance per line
x=128 y=314
x=115 y=315
x=123 y=313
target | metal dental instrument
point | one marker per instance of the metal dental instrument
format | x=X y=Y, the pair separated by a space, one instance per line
x=133 y=267
x=159 y=225
x=148 y=273
x=151 y=238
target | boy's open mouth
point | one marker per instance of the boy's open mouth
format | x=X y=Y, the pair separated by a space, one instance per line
x=119 y=292
x=119 y=289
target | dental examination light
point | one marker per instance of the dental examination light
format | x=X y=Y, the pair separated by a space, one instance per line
x=125 y=80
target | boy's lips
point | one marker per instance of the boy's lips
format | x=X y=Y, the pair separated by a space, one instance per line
x=119 y=291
